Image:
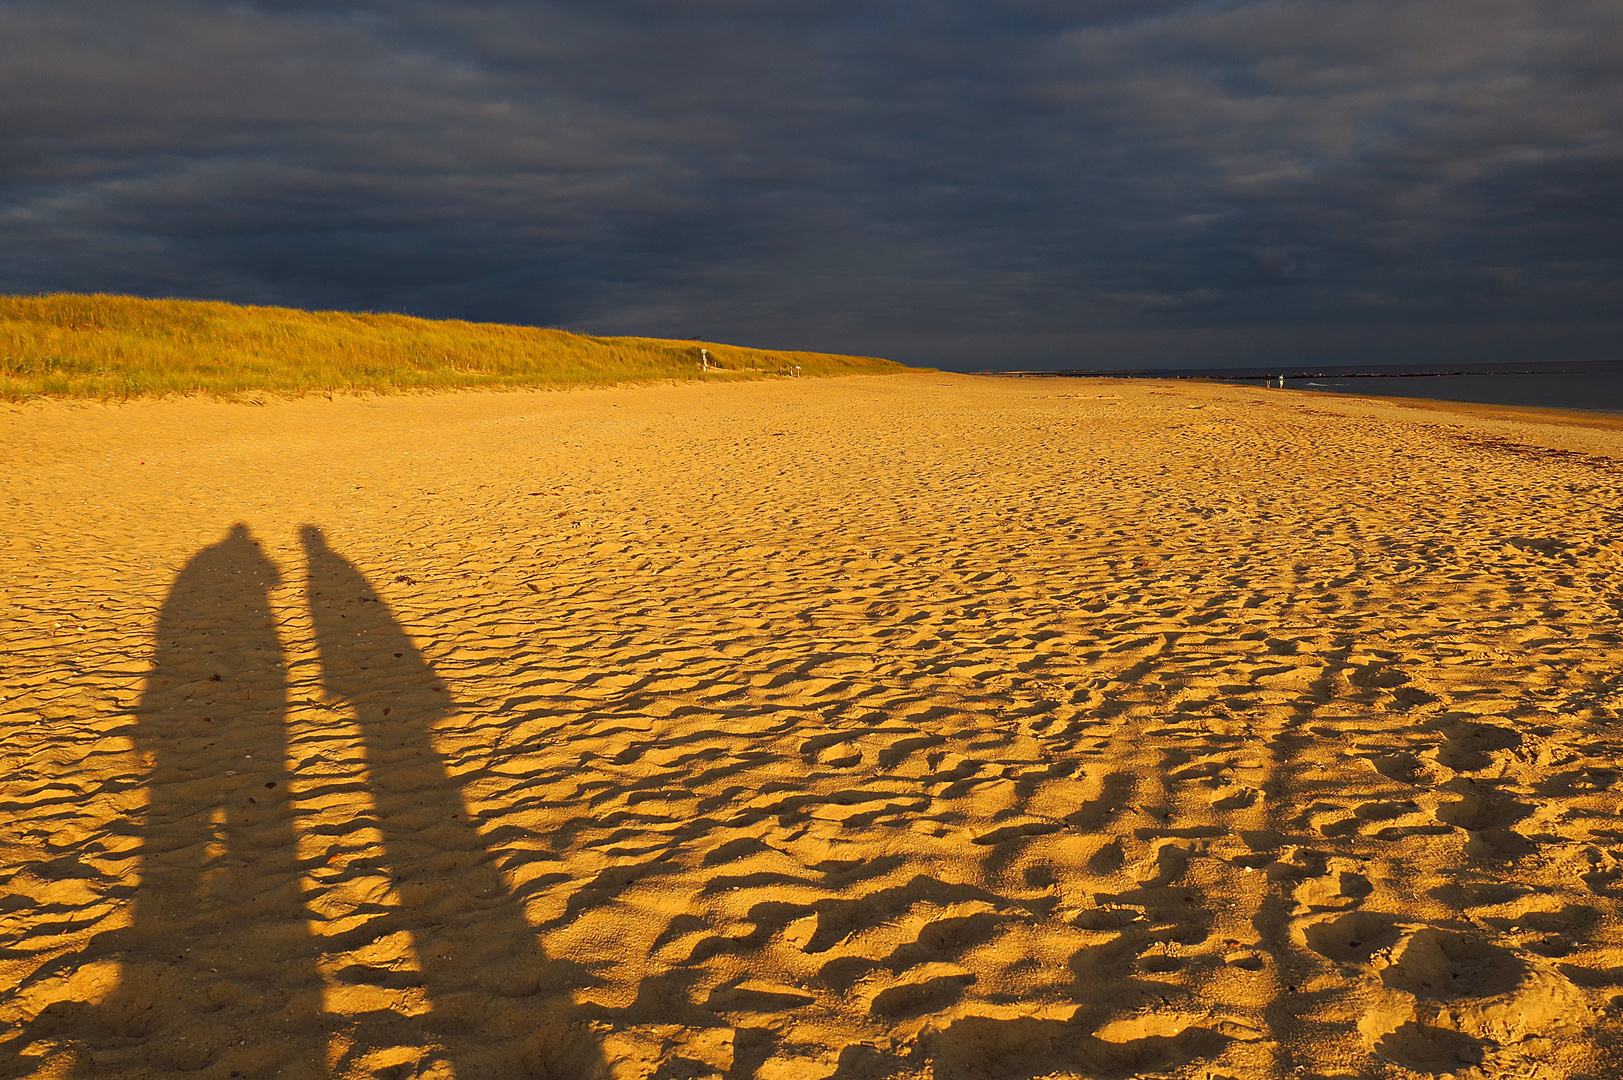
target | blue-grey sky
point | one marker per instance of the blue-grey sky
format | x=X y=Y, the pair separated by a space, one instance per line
x=990 y=183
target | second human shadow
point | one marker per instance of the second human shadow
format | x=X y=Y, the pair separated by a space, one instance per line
x=495 y=1008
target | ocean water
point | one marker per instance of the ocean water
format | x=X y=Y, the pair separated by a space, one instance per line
x=1592 y=391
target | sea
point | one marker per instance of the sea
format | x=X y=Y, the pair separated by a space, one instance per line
x=1590 y=386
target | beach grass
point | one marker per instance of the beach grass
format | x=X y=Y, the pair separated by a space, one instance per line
x=101 y=346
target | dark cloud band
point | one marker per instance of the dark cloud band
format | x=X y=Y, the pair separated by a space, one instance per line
x=1015 y=183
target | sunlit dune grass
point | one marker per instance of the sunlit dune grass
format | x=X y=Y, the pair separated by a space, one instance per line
x=102 y=346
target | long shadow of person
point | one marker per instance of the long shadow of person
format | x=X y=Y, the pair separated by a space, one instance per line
x=217 y=964
x=496 y=1005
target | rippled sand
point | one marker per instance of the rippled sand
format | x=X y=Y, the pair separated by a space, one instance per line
x=877 y=727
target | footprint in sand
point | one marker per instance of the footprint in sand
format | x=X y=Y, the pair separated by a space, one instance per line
x=1486 y=814
x=1401 y=766
x=1461 y=982
x=1430 y=1049
x=1353 y=938
x=1468 y=746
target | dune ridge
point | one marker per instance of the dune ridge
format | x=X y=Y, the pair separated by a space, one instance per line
x=99 y=346
x=864 y=728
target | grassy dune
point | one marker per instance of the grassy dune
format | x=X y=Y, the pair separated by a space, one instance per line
x=119 y=346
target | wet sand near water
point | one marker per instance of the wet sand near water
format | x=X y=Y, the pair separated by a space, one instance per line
x=908 y=726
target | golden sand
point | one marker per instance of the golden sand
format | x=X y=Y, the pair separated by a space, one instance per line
x=908 y=726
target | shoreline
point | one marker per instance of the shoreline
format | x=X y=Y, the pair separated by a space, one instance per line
x=1527 y=413
x=1488 y=410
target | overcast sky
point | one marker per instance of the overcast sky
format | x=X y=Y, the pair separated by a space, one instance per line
x=989 y=183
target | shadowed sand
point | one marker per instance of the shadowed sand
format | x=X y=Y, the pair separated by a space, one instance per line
x=908 y=727
x=481 y=973
x=218 y=951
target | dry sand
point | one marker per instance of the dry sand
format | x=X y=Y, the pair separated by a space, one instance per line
x=875 y=727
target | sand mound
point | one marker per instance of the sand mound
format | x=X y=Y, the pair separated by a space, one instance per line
x=915 y=727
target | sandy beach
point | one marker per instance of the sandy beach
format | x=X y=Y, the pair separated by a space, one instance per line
x=905 y=726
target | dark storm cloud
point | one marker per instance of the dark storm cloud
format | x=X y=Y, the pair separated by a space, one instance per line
x=1019 y=182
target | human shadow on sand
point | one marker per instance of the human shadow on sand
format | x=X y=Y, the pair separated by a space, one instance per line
x=217 y=964
x=218 y=972
x=498 y=1007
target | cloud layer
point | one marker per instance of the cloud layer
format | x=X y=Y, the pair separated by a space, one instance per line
x=1024 y=182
